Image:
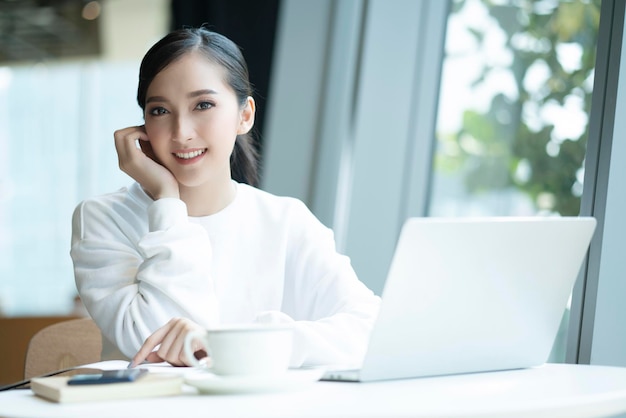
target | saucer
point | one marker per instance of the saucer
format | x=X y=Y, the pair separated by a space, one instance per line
x=294 y=379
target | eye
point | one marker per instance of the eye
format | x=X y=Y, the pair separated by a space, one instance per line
x=204 y=105
x=156 y=111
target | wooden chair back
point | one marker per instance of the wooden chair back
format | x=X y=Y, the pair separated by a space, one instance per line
x=63 y=345
x=15 y=335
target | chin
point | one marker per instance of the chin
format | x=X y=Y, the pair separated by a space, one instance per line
x=196 y=181
x=191 y=183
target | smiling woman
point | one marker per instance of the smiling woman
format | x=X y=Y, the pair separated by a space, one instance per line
x=192 y=130
x=192 y=244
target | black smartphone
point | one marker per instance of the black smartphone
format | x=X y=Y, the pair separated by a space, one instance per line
x=107 y=376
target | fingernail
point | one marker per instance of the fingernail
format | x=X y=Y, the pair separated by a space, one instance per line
x=131 y=365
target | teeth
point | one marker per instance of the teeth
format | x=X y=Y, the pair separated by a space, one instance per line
x=188 y=155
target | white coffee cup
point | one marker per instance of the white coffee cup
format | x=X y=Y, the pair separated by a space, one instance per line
x=244 y=350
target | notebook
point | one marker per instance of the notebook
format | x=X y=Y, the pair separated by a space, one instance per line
x=467 y=295
x=58 y=390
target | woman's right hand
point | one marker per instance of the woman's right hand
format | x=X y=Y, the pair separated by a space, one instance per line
x=167 y=344
x=142 y=165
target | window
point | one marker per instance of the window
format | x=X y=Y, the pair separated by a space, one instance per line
x=514 y=105
x=56 y=142
x=513 y=113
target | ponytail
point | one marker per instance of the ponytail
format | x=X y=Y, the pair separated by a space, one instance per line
x=244 y=161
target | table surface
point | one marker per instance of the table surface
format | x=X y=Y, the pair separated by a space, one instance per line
x=550 y=390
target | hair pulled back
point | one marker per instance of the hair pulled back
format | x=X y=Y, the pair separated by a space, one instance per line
x=219 y=50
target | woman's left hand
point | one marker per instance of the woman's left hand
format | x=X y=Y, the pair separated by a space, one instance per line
x=171 y=338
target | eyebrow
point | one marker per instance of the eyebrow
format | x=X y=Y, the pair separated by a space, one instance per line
x=192 y=94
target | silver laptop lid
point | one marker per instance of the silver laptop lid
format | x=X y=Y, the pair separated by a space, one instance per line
x=475 y=294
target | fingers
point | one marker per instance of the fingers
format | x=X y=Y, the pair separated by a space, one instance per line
x=154 y=358
x=126 y=147
x=141 y=163
x=171 y=348
x=149 y=345
x=170 y=341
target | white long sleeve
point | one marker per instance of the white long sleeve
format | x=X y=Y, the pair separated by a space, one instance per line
x=133 y=279
x=138 y=263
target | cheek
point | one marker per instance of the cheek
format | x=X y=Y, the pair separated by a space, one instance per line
x=157 y=139
x=154 y=131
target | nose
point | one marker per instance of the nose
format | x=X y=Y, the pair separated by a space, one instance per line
x=182 y=131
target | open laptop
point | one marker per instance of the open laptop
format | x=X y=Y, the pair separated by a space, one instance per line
x=473 y=294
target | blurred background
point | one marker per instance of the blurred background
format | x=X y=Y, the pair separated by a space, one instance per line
x=369 y=111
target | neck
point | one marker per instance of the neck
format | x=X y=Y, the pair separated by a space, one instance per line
x=208 y=198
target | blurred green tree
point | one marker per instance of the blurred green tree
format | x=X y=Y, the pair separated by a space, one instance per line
x=520 y=143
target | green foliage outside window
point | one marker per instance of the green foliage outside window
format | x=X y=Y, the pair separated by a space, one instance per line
x=513 y=144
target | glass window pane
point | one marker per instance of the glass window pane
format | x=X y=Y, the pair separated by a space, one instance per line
x=56 y=137
x=513 y=111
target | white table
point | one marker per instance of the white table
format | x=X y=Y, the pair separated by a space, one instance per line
x=548 y=391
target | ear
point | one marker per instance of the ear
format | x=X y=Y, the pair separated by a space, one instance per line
x=246 y=118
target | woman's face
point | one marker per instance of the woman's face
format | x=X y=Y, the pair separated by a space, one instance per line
x=192 y=119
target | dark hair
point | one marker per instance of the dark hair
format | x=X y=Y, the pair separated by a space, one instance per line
x=222 y=51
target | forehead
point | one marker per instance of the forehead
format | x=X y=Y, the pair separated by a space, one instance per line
x=191 y=71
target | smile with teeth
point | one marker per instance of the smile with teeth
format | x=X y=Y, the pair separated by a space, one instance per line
x=190 y=155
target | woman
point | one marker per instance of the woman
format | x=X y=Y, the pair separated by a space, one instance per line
x=191 y=244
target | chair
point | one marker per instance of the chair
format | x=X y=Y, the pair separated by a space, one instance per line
x=63 y=345
x=15 y=334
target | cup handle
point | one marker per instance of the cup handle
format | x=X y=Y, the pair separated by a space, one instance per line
x=197 y=334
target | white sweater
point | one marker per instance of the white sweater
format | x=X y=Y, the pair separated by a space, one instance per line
x=138 y=263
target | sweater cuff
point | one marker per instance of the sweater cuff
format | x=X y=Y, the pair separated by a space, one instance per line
x=165 y=213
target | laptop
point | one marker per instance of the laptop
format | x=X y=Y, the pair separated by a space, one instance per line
x=467 y=295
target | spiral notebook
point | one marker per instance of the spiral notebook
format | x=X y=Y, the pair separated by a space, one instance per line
x=467 y=295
